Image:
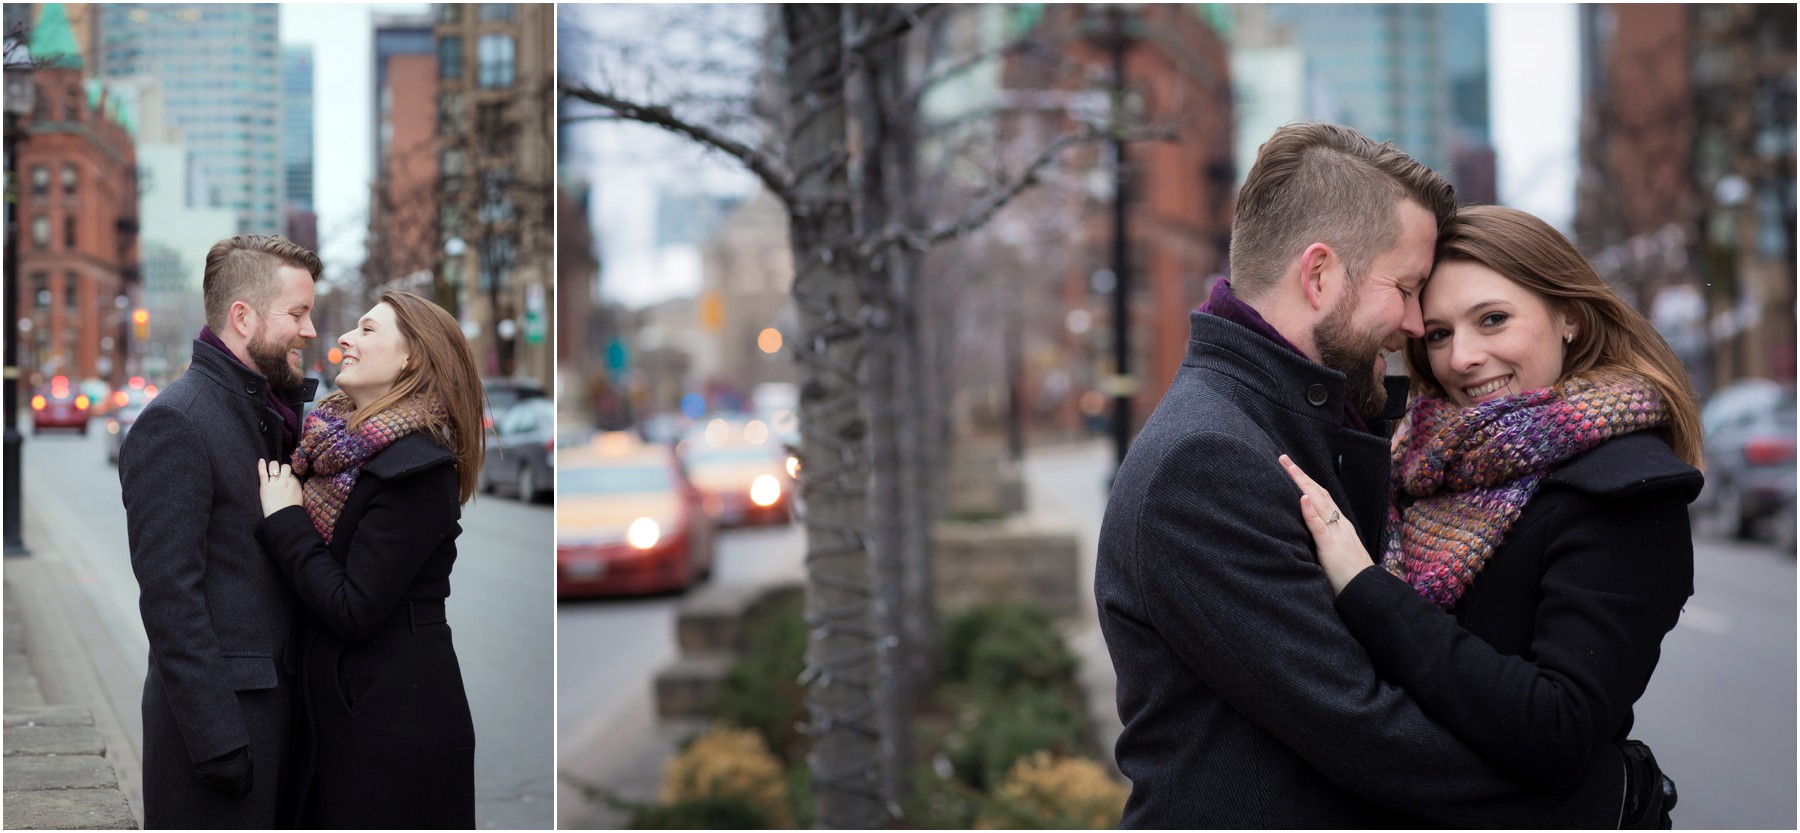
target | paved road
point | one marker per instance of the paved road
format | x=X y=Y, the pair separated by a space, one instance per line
x=1719 y=711
x=501 y=608
x=608 y=654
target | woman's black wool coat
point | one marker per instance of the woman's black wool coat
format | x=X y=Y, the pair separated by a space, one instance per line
x=1555 y=639
x=388 y=738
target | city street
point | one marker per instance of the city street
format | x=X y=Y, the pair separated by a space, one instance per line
x=500 y=609
x=608 y=654
x=1719 y=712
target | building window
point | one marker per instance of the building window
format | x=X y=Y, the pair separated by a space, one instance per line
x=40 y=180
x=449 y=12
x=494 y=56
x=69 y=231
x=496 y=11
x=496 y=200
x=450 y=58
x=40 y=232
x=493 y=133
x=70 y=178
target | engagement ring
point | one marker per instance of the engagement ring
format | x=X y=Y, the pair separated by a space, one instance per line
x=1333 y=519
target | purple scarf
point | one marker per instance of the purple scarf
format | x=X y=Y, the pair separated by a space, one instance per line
x=1224 y=304
x=290 y=421
x=333 y=456
x=1470 y=471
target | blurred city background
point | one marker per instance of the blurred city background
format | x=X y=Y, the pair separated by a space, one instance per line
x=1660 y=139
x=410 y=145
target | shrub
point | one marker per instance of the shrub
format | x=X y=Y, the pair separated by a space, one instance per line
x=762 y=691
x=995 y=730
x=1045 y=790
x=1002 y=646
x=728 y=764
x=727 y=813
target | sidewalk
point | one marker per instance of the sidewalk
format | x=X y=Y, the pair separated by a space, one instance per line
x=57 y=775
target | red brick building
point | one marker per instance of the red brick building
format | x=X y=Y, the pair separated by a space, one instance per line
x=77 y=209
x=1179 y=192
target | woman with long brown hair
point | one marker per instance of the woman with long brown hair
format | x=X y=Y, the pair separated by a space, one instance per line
x=1537 y=548
x=368 y=541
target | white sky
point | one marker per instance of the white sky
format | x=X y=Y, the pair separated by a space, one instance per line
x=342 y=38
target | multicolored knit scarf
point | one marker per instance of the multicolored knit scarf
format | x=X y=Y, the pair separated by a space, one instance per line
x=334 y=457
x=1468 y=472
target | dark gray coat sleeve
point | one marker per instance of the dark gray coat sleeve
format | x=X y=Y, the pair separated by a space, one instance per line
x=406 y=520
x=1616 y=573
x=166 y=481
x=1231 y=580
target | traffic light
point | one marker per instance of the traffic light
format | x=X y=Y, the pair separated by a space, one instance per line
x=140 y=323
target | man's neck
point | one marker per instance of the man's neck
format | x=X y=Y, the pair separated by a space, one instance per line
x=1292 y=320
x=237 y=351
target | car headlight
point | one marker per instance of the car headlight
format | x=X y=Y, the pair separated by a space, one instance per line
x=793 y=466
x=643 y=533
x=764 y=491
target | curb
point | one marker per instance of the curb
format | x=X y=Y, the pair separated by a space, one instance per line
x=56 y=773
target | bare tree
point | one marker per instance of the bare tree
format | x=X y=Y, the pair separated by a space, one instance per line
x=839 y=148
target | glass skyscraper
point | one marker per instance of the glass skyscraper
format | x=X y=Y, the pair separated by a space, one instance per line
x=220 y=69
x=297 y=125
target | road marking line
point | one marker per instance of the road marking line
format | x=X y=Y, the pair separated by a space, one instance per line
x=1705 y=621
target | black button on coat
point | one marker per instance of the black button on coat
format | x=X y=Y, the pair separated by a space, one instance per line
x=1245 y=699
x=390 y=742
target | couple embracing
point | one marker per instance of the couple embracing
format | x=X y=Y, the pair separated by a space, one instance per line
x=1319 y=621
x=301 y=668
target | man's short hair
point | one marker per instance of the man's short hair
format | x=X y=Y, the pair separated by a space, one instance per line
x=1325 y=183
x=243 y=268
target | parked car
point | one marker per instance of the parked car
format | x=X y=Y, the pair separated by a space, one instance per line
x=500 y=394
x=59 y=405
x=742 y=471
x=521 y=453
x=1749 y=446
x=627 y=520
x=118 y=424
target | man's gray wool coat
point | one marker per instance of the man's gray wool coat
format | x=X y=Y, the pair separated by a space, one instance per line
x=1246 y=701
x=219 y=617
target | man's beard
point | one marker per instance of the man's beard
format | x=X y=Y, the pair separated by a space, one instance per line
x=272 y=360
x=1353 y=354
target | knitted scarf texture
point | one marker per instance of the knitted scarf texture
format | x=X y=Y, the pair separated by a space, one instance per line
x=1462 y=476
x=330 y=456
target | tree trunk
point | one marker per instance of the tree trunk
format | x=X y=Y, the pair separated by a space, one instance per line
x=842 y=670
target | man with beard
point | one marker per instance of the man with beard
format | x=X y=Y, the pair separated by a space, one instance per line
x=218 y=698
x=1245 y=700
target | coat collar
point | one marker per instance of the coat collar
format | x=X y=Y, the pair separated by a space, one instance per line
x=1627 y=465
x=412 y=453
x=225 y=369
x=1277 y=373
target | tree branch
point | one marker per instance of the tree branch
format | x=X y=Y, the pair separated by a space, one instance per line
x=899 y=23
x=771 y=171
x=985 y=209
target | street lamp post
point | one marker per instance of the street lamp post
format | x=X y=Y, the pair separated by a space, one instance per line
x=1118 y=40
x=19 y=104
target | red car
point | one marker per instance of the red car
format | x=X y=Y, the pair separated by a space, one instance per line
x=59 y=405
x=628 y=521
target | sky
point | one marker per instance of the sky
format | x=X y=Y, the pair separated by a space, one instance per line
x=1534 y=86
x=342 y=40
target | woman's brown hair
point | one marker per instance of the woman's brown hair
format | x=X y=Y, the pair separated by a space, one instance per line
x=440 y=362
x=1609 y=334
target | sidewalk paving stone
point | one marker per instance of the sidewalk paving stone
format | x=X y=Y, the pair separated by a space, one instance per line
x=59 y=772
x=95 y=809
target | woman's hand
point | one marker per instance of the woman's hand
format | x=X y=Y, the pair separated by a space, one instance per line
x=280 y=489
x=1341 y=553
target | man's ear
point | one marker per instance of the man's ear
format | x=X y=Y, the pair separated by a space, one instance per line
x=1315 y=262
x=238 y=319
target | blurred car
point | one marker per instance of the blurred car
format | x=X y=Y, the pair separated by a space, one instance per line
x=627 y=520
x=521 y=453
x=498 y=395
x=664 y=428
x=1749 y=446
x=742 y=470
x=118 y=424
x=99 y=395
x=60 y=405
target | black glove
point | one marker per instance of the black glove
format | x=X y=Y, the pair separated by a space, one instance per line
x=1649 y=794
x=229 y=773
